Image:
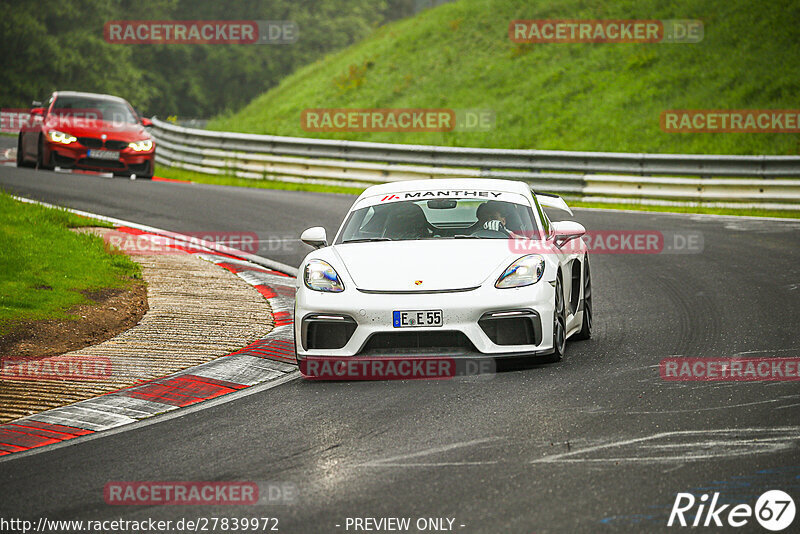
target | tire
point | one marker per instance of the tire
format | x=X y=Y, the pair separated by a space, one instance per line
x=40 y=164
x=150 y=171
x=20 y=154
x=586 y=327
x=559 y=326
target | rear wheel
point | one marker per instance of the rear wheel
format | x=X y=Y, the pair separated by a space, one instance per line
x=586 y=327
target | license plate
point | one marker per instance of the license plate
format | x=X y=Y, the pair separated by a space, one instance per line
x=413 y=318
x=104 y=154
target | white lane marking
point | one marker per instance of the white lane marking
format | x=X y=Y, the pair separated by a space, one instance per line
x=434 y=464
x=766 y=351
x=711 y=443
x=711 y=408
x=88 y=173
x=392 y=461
x=236 y=395
x=766 y=444
x=89 y=417
x=671 y=469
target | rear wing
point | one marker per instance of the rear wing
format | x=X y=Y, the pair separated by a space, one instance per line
x=552 y=201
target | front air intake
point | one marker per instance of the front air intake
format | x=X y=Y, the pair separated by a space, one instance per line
x=518 y=327
x=418 y=343
x=327 y=331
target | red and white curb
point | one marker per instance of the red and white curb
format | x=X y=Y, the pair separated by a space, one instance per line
x=268 y=359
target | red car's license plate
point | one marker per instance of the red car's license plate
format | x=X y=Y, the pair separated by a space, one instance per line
x=104 y=154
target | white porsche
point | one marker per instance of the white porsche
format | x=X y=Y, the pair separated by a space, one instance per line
x=456 y=267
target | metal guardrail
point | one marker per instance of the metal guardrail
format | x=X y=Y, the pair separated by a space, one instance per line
x=751 y=181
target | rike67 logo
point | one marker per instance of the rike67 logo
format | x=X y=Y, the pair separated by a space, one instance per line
x=774 y=510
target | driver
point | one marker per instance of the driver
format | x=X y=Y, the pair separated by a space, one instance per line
x=492 y=216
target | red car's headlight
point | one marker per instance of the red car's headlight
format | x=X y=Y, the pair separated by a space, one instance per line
x=61 y=137
x=144 y=145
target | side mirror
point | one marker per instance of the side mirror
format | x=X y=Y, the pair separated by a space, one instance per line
x=566 y=231
x=37 y=112
x=146 y=122
x=316 y=237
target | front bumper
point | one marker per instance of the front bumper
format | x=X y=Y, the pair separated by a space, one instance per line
x=369 y=316
x=75 y=156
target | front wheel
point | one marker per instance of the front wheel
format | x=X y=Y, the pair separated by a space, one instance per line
x=559 y=326
x=586 y=327
x=20 y=154
x=40 y=162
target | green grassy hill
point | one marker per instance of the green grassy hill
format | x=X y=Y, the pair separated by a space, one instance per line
x=604 y=97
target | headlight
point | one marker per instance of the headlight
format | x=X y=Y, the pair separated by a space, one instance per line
x=141 y=146
x=61 y=137
x=320 y=276
x=525 y=271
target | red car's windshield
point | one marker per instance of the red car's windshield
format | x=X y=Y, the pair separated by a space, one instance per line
x=105 y=109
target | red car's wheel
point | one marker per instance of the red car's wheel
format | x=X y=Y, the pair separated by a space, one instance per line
x=40 y=161
x=21 y=155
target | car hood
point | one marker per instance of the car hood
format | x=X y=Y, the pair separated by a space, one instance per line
x=438 y=264
x=81 y=127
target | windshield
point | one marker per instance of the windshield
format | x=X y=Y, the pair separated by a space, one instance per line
x=105 y=109
x=451 y=218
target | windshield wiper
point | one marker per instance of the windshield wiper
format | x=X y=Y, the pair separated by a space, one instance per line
x=466 y=237
x=366 y=240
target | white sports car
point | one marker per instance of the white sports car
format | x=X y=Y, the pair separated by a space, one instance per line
x=456 y=267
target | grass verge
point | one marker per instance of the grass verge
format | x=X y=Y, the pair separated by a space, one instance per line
x=45 y=267
x=603 y=97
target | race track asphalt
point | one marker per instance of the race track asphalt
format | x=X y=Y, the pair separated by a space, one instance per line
x=487 y=451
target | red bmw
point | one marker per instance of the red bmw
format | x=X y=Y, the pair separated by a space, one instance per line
x=87 y=131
